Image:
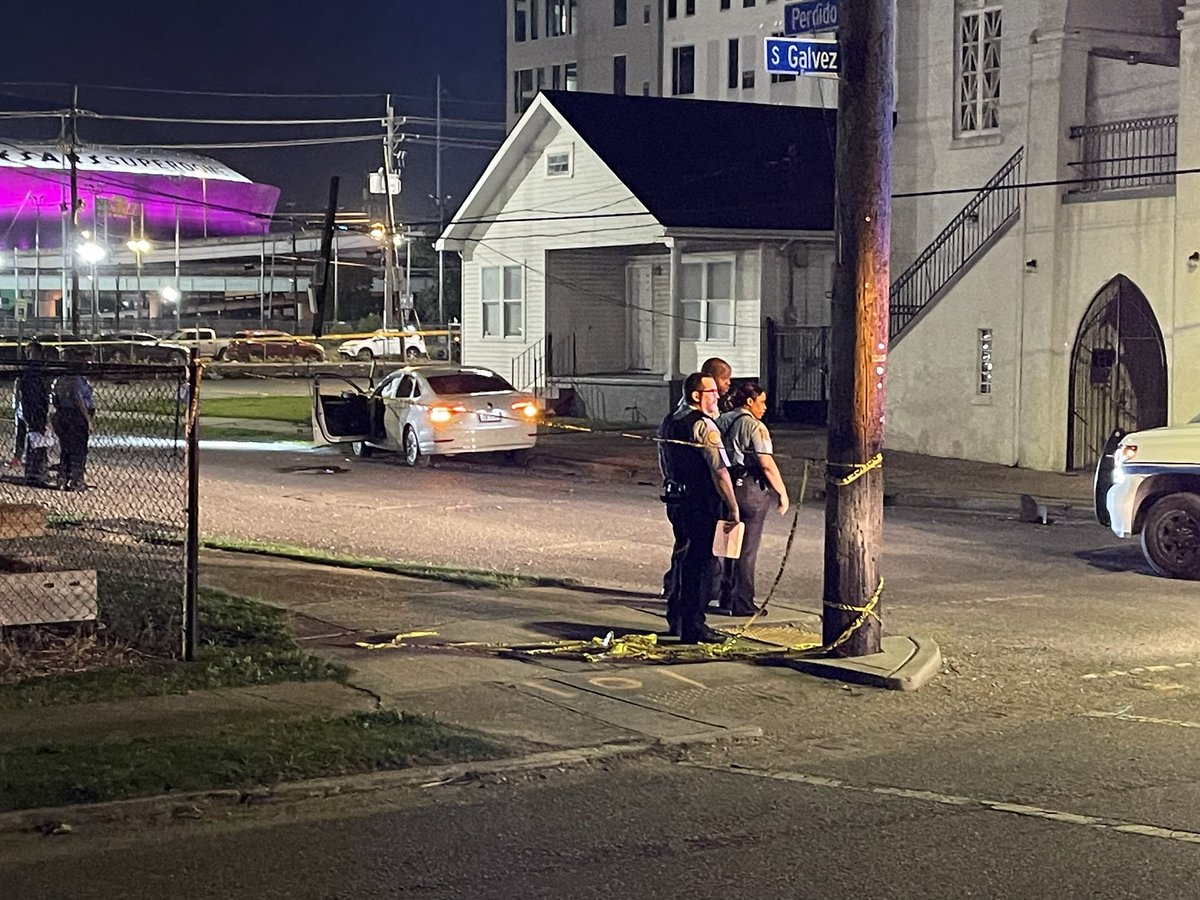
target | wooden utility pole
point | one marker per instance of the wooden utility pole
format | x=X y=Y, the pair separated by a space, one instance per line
x=859 y=331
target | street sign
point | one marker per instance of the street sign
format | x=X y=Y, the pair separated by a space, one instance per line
x=801 y=56
x=810 y=17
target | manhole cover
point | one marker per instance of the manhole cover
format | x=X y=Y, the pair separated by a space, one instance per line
x=313 y=470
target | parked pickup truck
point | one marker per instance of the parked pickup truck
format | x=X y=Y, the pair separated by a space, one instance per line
x=204 y=339
x=1148 y=483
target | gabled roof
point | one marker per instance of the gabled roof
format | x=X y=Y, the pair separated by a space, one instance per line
x=713 y=164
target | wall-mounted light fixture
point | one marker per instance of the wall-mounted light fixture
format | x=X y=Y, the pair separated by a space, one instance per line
x=1031 y=265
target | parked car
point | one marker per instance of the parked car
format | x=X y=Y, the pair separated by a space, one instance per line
x=427 y=411
x=137 y=346
x=381 y=344
x=1148 y=483
x=266 y=345
x=58 y=344
x=205 y=340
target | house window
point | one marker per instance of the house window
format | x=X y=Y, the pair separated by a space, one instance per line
x=520 y=19
x=556 y=77
x=645 y=89
x=570 y=78
x=748 y=79
x=558 y=162
x=523 y=90
x=619 y=75
x=683 y=70
x=706 y=297
x=747 y=3
x=560 y=17
x=985 y=361
x=646 y=14
x=672 y=8
x=689 y=7
x=978 y=95
x=619 y=13
x=724 y=4
x=502 y=294
x=734 y=68
x=533 y=20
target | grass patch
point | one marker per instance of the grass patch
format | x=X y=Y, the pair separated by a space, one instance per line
x=239 y=642
x=236 y=433
x=275 y=409
x=263 y=754
x=484 y=578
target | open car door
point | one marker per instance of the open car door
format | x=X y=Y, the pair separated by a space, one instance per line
x=341 y=413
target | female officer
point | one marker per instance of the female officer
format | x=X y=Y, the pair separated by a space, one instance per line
x=754 y=473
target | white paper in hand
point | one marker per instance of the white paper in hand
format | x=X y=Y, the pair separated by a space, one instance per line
x=728 y=544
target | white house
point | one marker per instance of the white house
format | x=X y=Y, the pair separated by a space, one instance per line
x=615 y=242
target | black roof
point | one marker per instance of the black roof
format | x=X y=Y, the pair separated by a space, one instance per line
x=713 y=164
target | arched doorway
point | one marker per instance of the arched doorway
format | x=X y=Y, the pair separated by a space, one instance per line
x=1118 y=372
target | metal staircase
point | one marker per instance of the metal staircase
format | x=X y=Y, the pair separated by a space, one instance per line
x=969 y=235
x=531 y=368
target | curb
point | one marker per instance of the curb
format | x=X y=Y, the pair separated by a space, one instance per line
x=905 y=664
x=194 y=805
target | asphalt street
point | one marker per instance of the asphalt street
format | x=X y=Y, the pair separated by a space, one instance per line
x=1051 y=757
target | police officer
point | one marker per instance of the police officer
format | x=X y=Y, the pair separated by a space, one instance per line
x=722 y=373
x=696 y=485
x=755 y=475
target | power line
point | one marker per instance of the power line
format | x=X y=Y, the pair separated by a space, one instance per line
x=193 y=121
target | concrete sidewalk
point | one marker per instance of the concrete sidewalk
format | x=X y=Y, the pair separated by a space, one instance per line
x=910 y=479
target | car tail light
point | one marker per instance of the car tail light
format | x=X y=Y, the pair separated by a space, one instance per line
x=443 y=413
x=527 y=408
x=1125 y=452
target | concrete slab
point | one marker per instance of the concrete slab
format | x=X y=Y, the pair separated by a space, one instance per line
x=903 y=664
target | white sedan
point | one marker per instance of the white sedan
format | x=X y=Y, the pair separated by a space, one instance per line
x=427 y=411
x=381 y=344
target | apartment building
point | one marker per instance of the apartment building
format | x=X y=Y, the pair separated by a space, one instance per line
x=598 y=46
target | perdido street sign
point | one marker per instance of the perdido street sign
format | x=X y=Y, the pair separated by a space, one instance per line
x=810 y=17
x=801 y=56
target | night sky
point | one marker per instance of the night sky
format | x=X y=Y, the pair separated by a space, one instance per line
x=365 y=47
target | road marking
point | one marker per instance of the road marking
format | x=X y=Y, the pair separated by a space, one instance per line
x=682 y=678
x=1138 y=670
x=1020 y=809
x=615 y=682
x=548 y=689
x=1144 y=720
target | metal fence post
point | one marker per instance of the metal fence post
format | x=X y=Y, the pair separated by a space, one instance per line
x=192 y=561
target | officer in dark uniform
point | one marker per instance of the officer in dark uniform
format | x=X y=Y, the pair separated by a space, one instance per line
x=696 y=485
x=722 y=373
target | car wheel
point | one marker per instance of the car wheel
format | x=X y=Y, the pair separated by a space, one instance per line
x=413 y=353
x=365 y=354
x=362 y=449
x=520 y=458
x=1171 y=536
x=411 y=447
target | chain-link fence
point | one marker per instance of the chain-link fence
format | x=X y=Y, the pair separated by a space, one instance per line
x=93 y=513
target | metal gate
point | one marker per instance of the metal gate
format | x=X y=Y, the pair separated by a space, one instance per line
x=798 y=371
x=1118 y=372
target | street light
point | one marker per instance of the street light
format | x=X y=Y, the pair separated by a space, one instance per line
x=92 y=253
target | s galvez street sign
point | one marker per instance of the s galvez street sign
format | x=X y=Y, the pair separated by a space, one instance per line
x=810 y=17
x=801 y=56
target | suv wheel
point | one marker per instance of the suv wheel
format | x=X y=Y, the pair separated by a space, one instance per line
x=1171 y=536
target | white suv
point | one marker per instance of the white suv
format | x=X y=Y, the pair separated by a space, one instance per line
x=1148 y=483
x=383 y=344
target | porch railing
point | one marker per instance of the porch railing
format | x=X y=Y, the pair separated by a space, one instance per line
x=969 y=233
x=1118 y=156
x=530 y=368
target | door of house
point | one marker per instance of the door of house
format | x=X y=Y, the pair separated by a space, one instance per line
x=641 y=318
x=1118 y=372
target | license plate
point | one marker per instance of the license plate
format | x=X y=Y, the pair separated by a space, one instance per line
x=489 y=417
